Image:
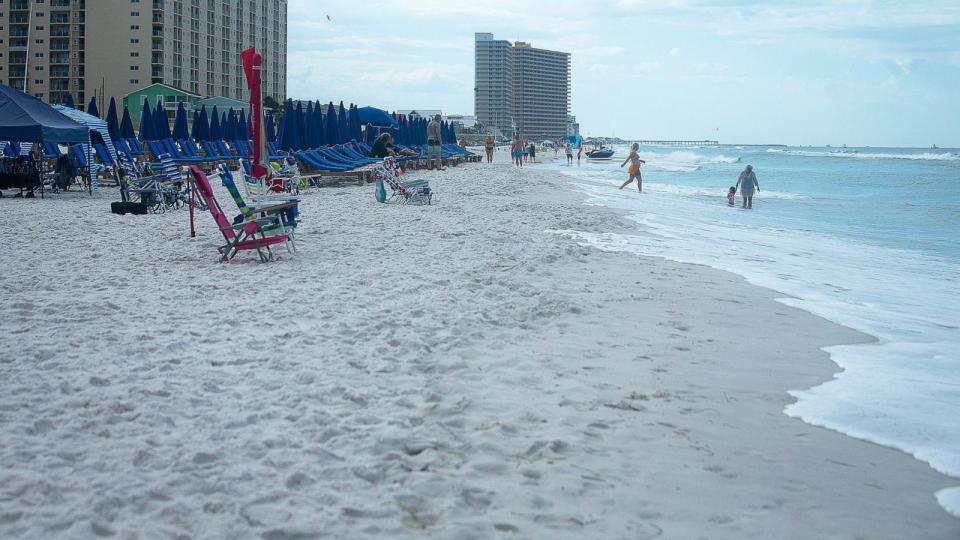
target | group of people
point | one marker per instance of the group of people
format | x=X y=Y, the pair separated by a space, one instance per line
x=384 y=146
x=746 y=183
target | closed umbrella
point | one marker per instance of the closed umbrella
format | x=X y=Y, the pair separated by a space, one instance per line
x=342 y=127
x=69 y=102
x=319 y=126
x=355 y=132
x=231 y=126
x=180 y=131
x=332 y=134
x=243 y=126
x=203 y=131
x=195 y=126
x=92 y=108
x=286 y=121
x=215 y=129
x=126 y=125
x=113 y=123
x=161 y=121
x=271 y=130
x=301 y=128
x=146 y=122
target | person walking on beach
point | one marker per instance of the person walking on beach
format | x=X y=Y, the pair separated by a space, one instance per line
x=489 y=144
x=533 y=152
x=569 y=150
x=746 y=183
x=433 y=143
x=516 y=150
x=634 y=169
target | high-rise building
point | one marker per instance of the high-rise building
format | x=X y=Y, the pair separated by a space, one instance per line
x=493 y=86
x=521 y=87
x=109 y=48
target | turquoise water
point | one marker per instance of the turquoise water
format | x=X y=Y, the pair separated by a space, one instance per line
x=865 y=237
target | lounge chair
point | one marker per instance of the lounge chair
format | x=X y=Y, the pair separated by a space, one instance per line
x=286 y=208
x=246 y=236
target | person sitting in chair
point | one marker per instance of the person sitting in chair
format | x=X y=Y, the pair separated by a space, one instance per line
x=383 y=146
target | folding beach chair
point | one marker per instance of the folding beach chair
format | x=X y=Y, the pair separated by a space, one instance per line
x=246 y=236
x=286 y=207
x=416 y=192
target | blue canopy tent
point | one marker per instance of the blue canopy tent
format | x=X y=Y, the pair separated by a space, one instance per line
x=69 y=102
x=576 y=141
x=376 y=117
x=147 y=132
x=126 y=125
x=332 y=134
x=113 y=123
x=215 y=128
x=24 y=118
x=180 y=131
x=92 y=108
x=342 y=125
x=161 y=122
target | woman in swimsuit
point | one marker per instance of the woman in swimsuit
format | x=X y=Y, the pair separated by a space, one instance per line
x=634 y=169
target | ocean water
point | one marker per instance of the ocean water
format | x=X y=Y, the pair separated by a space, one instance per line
x=865 y=237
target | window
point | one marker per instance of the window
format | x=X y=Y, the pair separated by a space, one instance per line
x=134 y=13
x=134 y=54
x=134 y=81
x=134 y=26
x=134 y=68
x=134 y=40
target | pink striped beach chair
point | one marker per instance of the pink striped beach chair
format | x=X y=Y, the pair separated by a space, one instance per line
x=246 y=236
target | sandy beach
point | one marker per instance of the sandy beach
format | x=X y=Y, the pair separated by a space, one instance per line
x=457 y=371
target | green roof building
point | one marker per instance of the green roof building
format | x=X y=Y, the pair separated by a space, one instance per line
x=168 y=95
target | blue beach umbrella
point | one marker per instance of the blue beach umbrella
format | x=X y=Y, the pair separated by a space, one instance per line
x=113 y=123
x=126 y=125
x=195 y=125
x=92 y=108
x=180 y=131
x=343 y=128
x=310 y=129
x=161 y=122
x=320 y=126
x=355 y=132
x=300 y=137
x=376 y=117
x=269 y=127
x=231 y=131
x=69 y=102
x=215 y=128
x=146 y=122
x=286 y=121
x=332 y=134
x=243 y=126
x=203 y=131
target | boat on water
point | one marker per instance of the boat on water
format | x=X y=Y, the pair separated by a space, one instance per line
x=600 y=153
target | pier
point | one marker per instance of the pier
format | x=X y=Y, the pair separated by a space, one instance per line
x=679 y=143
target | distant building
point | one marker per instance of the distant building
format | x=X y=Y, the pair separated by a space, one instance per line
x=462 y=120
x=573 y=127
x=169 y=96
x=110 y=48
x=521 y=87
x=421 y=113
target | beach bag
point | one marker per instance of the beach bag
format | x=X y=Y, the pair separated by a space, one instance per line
x=381 y=191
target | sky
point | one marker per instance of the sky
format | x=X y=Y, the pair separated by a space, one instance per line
x=858 y=72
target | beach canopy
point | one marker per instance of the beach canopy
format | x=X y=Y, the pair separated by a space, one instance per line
x=376 y=117
x=180 y=131
x=126 y=125
x=24 y=118
x=93 y=125
x=113 y=123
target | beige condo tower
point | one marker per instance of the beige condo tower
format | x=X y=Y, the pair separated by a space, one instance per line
x=109 y=48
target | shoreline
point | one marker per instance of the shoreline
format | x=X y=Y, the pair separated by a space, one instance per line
x=451 y=370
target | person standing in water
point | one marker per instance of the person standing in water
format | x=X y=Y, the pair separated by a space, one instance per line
x=634 y=169
x=746 y=183
x=569 y=150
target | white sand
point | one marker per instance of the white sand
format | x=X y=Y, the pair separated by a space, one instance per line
x=451 y=371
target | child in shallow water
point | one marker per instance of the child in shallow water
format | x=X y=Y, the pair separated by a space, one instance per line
x=730 y=195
